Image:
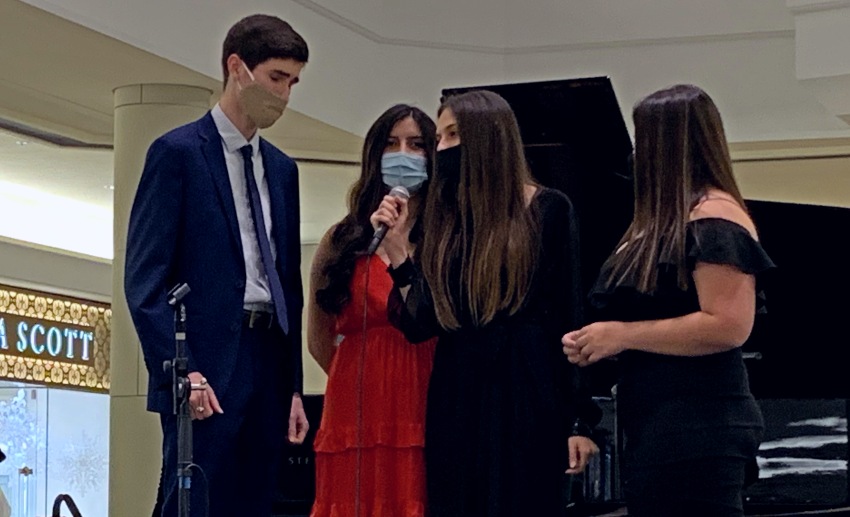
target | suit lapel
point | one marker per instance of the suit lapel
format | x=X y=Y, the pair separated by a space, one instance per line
x=213 y=151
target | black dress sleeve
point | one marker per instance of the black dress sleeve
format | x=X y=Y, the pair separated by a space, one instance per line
x=563 y=304
x=721 y=241
x=413 y=315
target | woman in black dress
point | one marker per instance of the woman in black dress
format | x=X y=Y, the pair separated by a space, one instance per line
x=495 y=279
x=675 y=302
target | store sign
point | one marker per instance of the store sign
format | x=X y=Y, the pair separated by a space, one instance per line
x=33 y=338
x=54 y=340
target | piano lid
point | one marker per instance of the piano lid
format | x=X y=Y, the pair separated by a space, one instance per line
x=798 y=346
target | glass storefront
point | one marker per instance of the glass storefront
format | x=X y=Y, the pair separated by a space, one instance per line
x=56 y=442
x=54 y=402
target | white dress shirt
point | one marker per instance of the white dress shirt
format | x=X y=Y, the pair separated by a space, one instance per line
x=256 y=283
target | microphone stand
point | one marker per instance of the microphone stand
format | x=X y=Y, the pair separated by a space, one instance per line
x=181 y=388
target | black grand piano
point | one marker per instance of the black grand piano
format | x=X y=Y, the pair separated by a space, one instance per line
x=576 y=141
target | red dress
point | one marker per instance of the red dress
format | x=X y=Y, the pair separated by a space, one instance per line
x=383 y=387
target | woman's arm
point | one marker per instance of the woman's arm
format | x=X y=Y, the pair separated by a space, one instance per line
x=412 y=312
x=727 y=310
x=727 y=300
x=410 y=307
x=563 y=311
x=321 y=335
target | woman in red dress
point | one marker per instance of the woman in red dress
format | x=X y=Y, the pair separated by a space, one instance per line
x=370 y=445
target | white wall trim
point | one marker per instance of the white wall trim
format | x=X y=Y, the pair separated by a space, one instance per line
x=31 y=266
x=374 y=37
x=811 y=6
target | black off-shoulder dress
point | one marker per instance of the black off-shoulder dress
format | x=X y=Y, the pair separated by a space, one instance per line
x=690 y=423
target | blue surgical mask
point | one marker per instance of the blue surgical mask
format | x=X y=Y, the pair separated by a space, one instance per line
x=405 y=170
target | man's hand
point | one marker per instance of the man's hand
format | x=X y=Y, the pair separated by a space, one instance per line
x=581 y=450
x=202 y=399
x=298 y=424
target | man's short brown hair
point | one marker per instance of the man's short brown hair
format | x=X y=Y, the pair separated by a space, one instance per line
x=260 y=37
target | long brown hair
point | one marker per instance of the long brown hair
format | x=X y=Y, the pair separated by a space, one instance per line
x=680 y=153
x=478 y=225
x=352 y=235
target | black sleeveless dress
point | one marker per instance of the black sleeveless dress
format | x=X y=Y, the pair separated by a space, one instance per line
x=690 y=423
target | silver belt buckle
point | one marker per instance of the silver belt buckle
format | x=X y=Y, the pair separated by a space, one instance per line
x=253 y=317
x=256 y=314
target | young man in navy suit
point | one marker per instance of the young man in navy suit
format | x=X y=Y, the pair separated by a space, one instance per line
x=217 y=208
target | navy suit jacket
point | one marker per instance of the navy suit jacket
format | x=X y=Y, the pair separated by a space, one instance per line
x=183 y=228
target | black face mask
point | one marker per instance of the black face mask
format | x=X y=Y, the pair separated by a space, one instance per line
x=448 y=164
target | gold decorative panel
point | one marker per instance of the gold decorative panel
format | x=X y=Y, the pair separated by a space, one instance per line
x=54 y=340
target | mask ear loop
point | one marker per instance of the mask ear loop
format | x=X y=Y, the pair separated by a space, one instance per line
x=250 y=74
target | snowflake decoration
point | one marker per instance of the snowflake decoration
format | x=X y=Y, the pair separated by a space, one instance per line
x=84 y=464
x=19 y=430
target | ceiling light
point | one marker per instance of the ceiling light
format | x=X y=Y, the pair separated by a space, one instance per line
x=109 y=187
x=21 y=142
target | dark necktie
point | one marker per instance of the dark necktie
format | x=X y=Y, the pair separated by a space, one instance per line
x=263 y=240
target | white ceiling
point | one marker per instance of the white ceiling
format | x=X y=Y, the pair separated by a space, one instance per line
x=84 y=175
x=512 y=26
x=57 y=76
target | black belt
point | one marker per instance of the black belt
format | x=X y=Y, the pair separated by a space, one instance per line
x=257 y=319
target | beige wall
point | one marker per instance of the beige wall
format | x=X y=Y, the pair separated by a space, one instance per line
x=31 y=266
x=812 y=172
x=817 y=181
x=315 y=379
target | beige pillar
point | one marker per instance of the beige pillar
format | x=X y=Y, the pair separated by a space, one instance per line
x=142 y=113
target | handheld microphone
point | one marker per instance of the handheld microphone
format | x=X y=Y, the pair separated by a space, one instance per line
x=400 y=192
